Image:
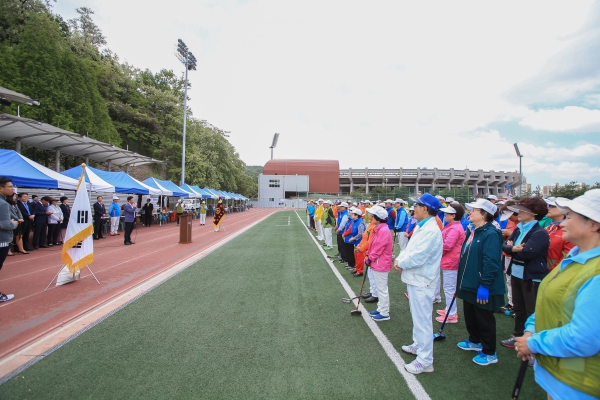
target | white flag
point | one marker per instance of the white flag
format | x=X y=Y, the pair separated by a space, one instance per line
x=78 y=247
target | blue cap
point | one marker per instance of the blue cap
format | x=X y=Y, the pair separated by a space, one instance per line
x=429 y=201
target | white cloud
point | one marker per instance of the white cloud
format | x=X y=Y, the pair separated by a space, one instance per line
x=567 y=119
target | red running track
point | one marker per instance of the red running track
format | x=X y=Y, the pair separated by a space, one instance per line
x=34 y=313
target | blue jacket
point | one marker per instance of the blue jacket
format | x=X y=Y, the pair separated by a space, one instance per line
x=390 y=221
x=114 y=210
x=311 y=210
x=402 y=219
x=129 y=212
x=358 y=228
x=340 y=218
x=534 y=255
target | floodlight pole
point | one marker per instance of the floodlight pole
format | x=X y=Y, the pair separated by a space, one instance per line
x=520 y=169
x=187 y=58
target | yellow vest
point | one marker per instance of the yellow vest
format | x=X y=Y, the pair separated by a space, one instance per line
x=554 y=308
x=318 y=213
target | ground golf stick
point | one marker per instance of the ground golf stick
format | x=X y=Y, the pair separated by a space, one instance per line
x=519 y=382
x=357 y=312
x=440 y=335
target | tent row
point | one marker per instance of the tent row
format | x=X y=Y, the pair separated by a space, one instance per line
x=27 y=173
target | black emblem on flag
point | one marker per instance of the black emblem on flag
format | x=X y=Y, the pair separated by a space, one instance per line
x=82 y=217
x=77 y=246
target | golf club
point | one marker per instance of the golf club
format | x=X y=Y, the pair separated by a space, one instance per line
x=406 y=295
x=440 y=335
x=519 y=382
x=357 y=312
x=346 y=300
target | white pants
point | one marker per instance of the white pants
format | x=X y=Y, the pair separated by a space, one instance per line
x=114 y=225
x=420 y=300
x=202 y=219
x=508 y=285
x=372 y=284
x=327 y=234
x=402 y=240
x=449 y=288
x=381 y=280
x=319 y=227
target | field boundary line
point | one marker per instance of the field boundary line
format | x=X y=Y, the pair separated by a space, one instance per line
x=411 y=380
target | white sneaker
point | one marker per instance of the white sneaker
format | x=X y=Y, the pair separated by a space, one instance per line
x=6 y=297
x=410 y=349
x=416 y=367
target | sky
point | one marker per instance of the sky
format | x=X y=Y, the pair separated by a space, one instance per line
x=383 y=84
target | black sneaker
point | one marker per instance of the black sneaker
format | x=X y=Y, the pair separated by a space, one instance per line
x=6 y=297
x=366 y=295
x=507 y=307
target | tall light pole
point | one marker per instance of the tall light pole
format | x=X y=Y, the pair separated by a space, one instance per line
x=275 y=139
x=184 y=55
x=520 y=169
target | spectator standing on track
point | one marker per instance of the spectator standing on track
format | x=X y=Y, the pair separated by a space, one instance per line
x=55 y=220
x=147 y=209
x=40 y=221
x=559 y=248
x=480 y=282
x=328 y=223
x=528 y=247
x=129 y=210
x=66 y=210
x=114 y=210
x=15 y=214
x=419 y=265
x=453 y=236
x=561 y=332
x=28 y=214
x=379 y=261
x=203 y=210
x=7 y=226
x=99 y=213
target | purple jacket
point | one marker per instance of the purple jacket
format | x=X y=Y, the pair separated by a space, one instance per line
x=381 y=248
x=453 y=235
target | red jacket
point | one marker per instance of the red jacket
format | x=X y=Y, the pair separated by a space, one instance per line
x=559 y=248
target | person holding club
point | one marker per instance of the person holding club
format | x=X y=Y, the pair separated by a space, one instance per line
x=419 y=265
x=379 y=261
x=480 y=282
x=562 y=329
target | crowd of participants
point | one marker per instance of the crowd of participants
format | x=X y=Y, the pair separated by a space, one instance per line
x=544 y=254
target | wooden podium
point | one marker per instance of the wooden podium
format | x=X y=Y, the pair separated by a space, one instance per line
x=185 y=228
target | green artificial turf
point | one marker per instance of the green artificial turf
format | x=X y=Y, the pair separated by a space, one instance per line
x=456 y=376
x=260 y=317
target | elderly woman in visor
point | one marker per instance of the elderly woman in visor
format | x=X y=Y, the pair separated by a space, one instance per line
x=562 y=331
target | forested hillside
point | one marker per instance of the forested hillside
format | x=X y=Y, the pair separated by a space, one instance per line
x=83 y=87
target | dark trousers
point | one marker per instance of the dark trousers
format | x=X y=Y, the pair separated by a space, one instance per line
x=312 y=222
x=98 y=227
x=3 y=254
x=147 y=219
x=53 y=230
x=128 y=230
x=523 y=297
x=341 y=247
x=25 y=229
x=349 y=251
x=39 y=231
x=178 y=214
x=481 y=325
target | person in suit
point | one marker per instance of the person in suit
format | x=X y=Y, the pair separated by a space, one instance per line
x=66 y=210
x=28 y=215
x=99 y=213
x=147 y=209
x=40 y=221
x=129 y=210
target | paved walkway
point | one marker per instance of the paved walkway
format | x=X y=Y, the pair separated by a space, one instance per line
x=35 y=313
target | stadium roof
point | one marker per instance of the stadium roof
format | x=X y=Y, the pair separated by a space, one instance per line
x=45 y=136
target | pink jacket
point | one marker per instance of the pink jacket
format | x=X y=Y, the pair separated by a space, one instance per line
x=381 y=249
x=453 y=235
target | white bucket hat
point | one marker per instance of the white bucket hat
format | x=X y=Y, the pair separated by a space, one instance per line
x=587 y=205
x=379 y=211
x=483 y=204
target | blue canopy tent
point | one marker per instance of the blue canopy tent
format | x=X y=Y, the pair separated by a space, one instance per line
x=29 y=174
x=209 y=192
x=203 y=193
x=176 y=190
x=190 y=189
x=122 y=182
x=153 y=184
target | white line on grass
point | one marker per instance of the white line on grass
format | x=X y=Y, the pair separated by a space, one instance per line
x=411 y=380
x=288 y=224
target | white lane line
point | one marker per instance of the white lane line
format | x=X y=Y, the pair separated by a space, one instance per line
x=411 y=380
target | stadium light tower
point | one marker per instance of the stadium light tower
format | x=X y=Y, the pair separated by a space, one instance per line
x=520 y=169
x=275 y=139
x=186 y=57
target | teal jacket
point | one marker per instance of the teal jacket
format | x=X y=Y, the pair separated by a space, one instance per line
x=481 y=261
